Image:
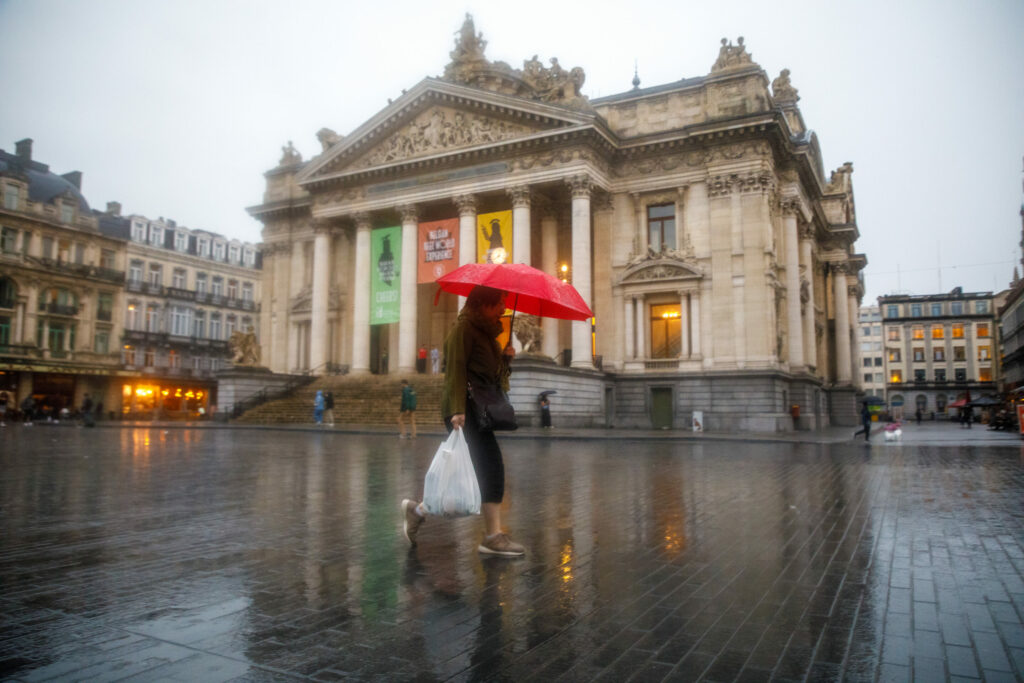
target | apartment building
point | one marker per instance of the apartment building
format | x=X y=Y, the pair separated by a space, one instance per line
x=939 y=349
x=872 y=352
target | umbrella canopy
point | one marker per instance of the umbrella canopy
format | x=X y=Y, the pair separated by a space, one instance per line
x=986 y=401
x=534 y=291
x=958 y=404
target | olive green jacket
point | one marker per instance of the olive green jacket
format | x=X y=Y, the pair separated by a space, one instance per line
x=471 y=354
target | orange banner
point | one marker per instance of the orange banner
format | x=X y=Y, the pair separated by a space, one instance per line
x=438 y=251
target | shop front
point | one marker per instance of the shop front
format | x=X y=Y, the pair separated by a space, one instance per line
x=162 y=399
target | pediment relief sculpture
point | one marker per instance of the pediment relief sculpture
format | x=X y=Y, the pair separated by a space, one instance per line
x=664 y=264
x=303 y=301
x=552 y=84
x=440 y=129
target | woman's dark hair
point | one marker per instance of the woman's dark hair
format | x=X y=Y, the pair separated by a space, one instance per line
x=483 y=296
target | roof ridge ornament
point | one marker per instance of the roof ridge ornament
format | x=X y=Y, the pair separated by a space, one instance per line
x=732 y=56
x=534 y=81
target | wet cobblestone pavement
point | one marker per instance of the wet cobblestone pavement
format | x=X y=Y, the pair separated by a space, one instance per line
x=259 y=555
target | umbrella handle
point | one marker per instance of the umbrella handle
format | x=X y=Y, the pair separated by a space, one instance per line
x=512 y=322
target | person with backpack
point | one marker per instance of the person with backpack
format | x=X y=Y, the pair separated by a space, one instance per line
x=407 y=409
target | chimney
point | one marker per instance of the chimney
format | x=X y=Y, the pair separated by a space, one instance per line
x=114 y=208
x=23 y=148
x=74 y=177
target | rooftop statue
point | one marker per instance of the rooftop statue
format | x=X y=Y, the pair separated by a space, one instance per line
x=289 y=155
x=732 y=56
x=783 y=91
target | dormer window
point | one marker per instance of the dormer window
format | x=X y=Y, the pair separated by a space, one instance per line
x=138 y=231
x=181 y=241
x=204 y=247
x=156 y=236
x=11 y=197
x=233 y=253
x=250 y=257
x=67 y=213
x=218 y=251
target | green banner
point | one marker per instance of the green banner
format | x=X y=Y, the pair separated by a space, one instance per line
x=385 y=274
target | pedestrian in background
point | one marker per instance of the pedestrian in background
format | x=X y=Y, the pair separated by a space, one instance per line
x=3 y=408
x=88 y=419
x=865 y=418
x=472 y=355
x=329 y=408
x=545 y=411
x=318 y=408
x=435 y=360
x=407 y=410
x=421 y=359
x=28 y=410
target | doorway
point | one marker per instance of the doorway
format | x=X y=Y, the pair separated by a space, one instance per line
x=661 y=408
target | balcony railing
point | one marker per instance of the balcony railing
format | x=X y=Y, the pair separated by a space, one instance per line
x=20 y=350
x=104 y=315
x=179 y=293
x=58 y=309
x=82 y=270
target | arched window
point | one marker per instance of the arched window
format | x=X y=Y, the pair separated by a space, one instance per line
x=921 y=401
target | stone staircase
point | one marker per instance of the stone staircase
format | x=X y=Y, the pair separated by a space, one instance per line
x=358 y=400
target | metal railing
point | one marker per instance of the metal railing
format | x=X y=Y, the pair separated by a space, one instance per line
x=263 y=395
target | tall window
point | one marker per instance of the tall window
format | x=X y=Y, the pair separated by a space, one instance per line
x=173 y=359
x=896 y=376
x=981 y=307
x=218 y=251
x=79 y=253
x=940 y=374
x=135 y=271
x=156 y=273
x=215 y=326
x=199 y=324
x=960 y=374
x=232 y=289
x=958 y=307
x=180 y=240
x=247 y=294
x=894 y=355
x=250 y=258
x=940 y=354
x=959 y=353
x=666 y=331
x=134 y=318
x=178 y=278
x=230 y=325
x=200 y=283
x=984 y=374
x=918 y=332
x=233 y=253
x=661 y=226
x=892 y=311
x=938 y=332
x=129 y=355
x=985 y=352
x=958 y=331
x=894 y=333
x=105 y=306
x=218 y=286
x=5 y=330
x=138 y=231
x=67 y=213
x=8 y=240
x=918 y=354
x=915 y=310
x=204 y=247
x=982 y=329
x=936 y=309
x=8 y=293
x=152 y=318
x=919 y=375
x=101 y=342
x=11 y=197
x=181 y=321
x=47 y=247
x=107 y=259
x=156 y=236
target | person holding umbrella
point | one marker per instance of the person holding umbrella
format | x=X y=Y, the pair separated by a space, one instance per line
x=474 y=355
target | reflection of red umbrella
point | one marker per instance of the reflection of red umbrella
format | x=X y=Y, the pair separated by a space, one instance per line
x=535 y=292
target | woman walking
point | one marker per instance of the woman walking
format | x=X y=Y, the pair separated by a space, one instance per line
x=473 y=355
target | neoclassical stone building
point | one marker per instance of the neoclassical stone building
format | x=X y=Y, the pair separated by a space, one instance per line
x=695 y=217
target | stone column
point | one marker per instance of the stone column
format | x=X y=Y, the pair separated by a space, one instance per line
x=629 y=317
x=641 y=327
x=406 y=361
x=520 y=224
x=695 y=331
x=852 y=292
x=361 y=297
x=549 y=264
x=467 y=232
x=842 y=309
x=684 y=323
x=581 y=187
x=318 y=302
x=807 y=267
x=794 y=328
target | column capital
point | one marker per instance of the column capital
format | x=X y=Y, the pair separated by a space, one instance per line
x=841 y=267
x=322 y=226
x=362 y=220
x=581 y=185
x=521 y=196
x=790 y=206
x=603 y=202
x=410 y=213
x=806 y=231
x=466 y=204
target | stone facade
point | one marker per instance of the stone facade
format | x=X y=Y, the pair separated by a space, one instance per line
x=694 y=217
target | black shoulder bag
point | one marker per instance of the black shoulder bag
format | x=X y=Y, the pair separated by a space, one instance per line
x=491 y=408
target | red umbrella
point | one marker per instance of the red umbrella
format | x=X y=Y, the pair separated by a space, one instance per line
x=535 y=292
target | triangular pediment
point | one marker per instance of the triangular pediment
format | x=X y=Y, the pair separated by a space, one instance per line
x=438 y=118
x=660 y=268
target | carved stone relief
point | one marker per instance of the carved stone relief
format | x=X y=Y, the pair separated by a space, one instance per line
x=441 y=129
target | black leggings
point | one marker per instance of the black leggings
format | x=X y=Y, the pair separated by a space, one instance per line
x=486 y=456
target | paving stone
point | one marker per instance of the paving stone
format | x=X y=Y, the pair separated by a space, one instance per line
x=261 y=555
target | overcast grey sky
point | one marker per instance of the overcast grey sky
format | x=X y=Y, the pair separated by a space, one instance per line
x=176 y=109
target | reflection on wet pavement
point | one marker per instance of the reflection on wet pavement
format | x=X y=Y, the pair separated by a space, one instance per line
x=261 y=555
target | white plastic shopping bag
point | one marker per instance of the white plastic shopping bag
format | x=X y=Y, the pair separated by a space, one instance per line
x=450 y=488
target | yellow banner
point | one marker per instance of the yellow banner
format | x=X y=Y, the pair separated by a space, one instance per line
x=494 y=237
